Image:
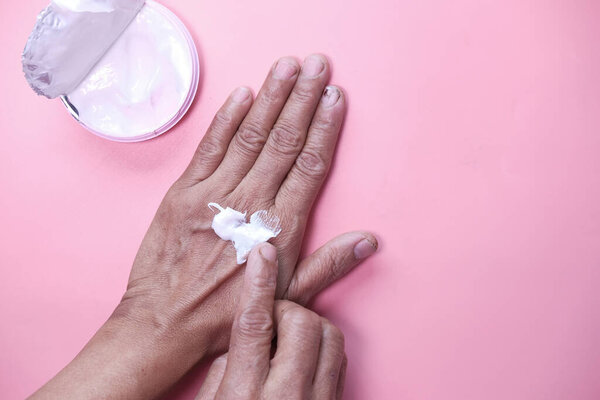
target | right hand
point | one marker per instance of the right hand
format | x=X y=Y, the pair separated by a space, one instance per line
x=309 y=361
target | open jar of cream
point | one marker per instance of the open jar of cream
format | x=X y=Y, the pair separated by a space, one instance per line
x=127 y=70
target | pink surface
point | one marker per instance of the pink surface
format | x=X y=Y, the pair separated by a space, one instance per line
x=472 y=148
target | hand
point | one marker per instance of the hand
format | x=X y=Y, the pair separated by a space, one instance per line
x=309 y=362
x=271 y=154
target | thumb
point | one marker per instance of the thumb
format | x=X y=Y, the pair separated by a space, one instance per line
x=329 y=263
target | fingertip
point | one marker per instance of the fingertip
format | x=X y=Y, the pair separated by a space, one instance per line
x=354 y=237
x=264 y=250
x=285 y=68
x=366 y=247
x=269 y=252
x=320 y=56
x=262 y=263
x=241 y=95
x=315 y=66
x=331 y=96
x=290 y=60
x=372 y=238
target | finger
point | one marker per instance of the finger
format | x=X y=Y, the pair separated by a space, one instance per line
x=330 y=361
x=212 y=147
x=298 y=341
x=254 y=130
x=311 y=167
x=342 y=379
x=252 y=332
x=213 y=379
x=328 y=264
x=289 y=132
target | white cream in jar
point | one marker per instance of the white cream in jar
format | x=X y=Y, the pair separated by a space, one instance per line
x=143 y=82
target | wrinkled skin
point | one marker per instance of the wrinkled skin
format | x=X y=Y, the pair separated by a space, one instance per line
x=272 y=153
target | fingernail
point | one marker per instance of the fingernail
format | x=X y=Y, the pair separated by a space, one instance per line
x=364 y=249
x=241 y=94
x=331 y=96
x=269 y=252
x=285 y=70
x=313 y=66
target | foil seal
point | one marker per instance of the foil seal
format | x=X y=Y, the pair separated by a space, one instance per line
x=69 y=38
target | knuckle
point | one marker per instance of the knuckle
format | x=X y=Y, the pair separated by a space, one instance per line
x=222 y=119
x=334 y=336
x=326 y=122
x=176 y=206
x=331 y=264
x=271 y=95
x=304 y=94
x=250 y=137
x=312 y=165
x=173 y=199
x=301 y=319
x=208 y=148
x=255 y=322
x=285 y=138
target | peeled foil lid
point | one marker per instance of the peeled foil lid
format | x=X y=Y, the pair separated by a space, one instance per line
x=69 y=38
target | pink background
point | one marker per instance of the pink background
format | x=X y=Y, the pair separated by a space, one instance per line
x=472 y=148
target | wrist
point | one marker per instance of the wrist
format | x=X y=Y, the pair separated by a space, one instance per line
x=197 y=328
x=126 y=359
x=157 y=336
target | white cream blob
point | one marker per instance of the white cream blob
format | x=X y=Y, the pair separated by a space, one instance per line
x=144 y=83
x=231 y=225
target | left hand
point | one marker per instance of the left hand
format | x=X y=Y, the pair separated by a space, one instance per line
x=271 y=154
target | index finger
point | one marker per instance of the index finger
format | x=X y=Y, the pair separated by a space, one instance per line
x=252 y=333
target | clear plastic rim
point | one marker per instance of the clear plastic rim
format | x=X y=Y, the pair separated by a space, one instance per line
x=188 y=100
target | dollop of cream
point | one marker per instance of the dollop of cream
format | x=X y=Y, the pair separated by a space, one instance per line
x=231 y=225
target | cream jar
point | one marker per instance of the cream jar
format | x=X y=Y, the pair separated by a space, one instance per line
x=127 y=70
